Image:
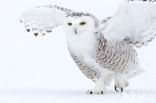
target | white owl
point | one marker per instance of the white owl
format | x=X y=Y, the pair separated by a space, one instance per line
x=103 y=50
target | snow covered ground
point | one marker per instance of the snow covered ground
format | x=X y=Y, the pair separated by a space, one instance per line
x=40 y=70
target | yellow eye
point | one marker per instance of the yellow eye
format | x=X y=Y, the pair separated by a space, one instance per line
x=82 y=23
x=70 y=24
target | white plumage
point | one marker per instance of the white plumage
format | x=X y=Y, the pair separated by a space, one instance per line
x=135 y=21
x=43 y=19
x=103 y=50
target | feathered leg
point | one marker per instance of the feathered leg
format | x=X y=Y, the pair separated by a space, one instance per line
x=120 y=83
x=101 y=83
x=99 y=87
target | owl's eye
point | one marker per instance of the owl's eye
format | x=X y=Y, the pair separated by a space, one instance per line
x=70 y=24
x=82 y=23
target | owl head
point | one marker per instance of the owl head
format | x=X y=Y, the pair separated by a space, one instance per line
x=80 y=24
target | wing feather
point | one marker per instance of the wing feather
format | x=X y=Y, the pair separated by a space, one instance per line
x=43 y=19
x=134 y=22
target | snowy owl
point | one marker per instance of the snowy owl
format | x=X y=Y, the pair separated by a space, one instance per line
x=104 y=50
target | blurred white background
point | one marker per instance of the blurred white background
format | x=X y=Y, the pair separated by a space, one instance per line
x=40 y=69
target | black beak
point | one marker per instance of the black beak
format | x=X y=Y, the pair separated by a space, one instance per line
x=75 y=31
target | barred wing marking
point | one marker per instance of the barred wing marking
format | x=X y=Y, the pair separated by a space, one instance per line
x=43 y=19
x=134 y=22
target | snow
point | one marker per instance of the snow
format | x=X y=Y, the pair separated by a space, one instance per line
x=40 y=69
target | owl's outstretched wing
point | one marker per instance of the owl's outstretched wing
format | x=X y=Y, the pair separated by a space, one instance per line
x=134 y=22
x=43 y=19
x=103 y=22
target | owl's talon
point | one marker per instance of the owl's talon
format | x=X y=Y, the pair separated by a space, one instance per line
x=116 y=89
x=95 y=92
x=122 y=89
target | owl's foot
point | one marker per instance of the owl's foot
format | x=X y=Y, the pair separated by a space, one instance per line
x=95 y=92
x=117 y=90
x=121 y=86
x=99 y=87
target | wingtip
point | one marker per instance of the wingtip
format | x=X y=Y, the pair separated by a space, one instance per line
x=49 y=31
x=35 y=34
x=28 y=30
x=43 y=34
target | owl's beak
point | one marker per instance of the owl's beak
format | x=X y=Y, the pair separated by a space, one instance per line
x=75 y=31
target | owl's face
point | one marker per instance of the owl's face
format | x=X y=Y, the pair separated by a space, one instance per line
x=79 y=26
